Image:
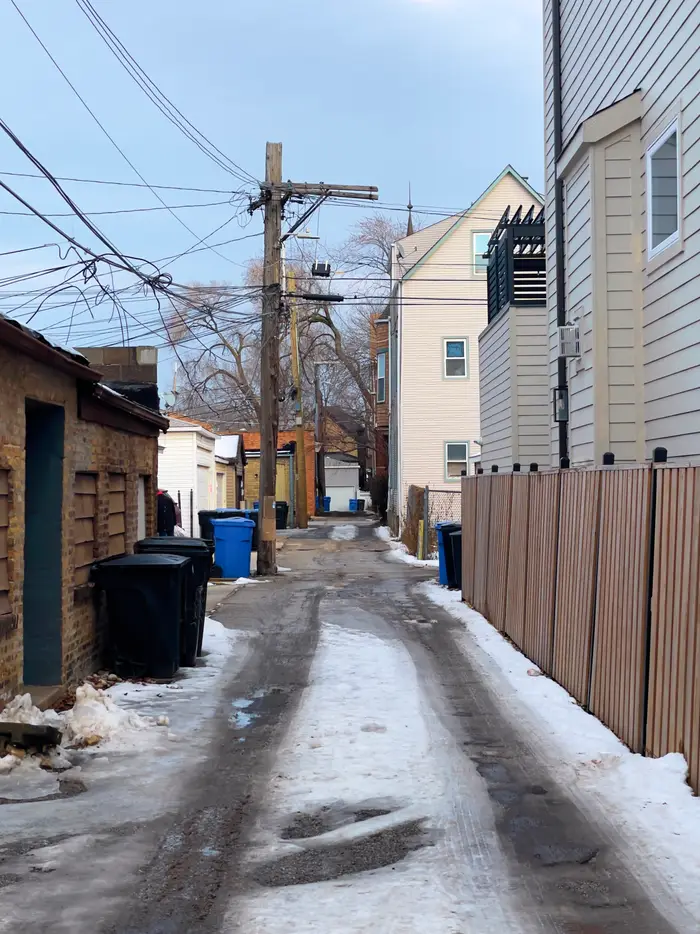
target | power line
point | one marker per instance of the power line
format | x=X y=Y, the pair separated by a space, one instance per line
x=161 y=101
x=102 y=127
x=206 y=204
x=101 y=181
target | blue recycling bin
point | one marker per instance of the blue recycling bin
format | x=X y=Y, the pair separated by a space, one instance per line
x=233 y=541
x=353 y=505
x=326 y=504
x=445 y=565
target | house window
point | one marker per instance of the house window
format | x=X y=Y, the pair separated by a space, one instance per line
x=381 y=377
x=480 y=244
x=663 y=191
x=456 y=459
x=455 y=357
x=84 y=537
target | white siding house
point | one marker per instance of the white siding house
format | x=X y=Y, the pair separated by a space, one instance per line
x=438 y=309
x=187 y=469
x=622 y=146
x=515 y=401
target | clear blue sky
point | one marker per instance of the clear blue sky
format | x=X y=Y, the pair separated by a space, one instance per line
x=443 y=93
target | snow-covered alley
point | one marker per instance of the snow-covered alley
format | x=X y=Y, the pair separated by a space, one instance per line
x=360 y=753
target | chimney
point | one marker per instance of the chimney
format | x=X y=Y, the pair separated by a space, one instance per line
x=131 y=371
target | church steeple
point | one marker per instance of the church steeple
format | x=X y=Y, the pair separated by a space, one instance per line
x=409 y=226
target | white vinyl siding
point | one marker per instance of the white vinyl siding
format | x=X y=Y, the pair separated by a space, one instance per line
x=496 y=388
x=533 y=403
x=177 y=472
x=515 y=397
x=608 y=51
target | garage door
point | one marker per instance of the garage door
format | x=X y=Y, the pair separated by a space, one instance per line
x=203 y=487
x=340 y=497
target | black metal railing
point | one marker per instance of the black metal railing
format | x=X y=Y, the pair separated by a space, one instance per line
x=517 y=269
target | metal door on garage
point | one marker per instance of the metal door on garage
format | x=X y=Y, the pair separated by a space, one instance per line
x=203 y=487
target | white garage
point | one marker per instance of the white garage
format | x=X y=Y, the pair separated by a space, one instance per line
x=342 y=480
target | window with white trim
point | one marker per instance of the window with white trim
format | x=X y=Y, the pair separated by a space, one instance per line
x=663 y=191
x=455 y=350
x=480 y=242
x=456 y=459
x=381 y=376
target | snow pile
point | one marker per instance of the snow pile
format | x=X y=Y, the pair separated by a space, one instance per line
x=343 y=533
x=21 y=710
x=399 y=552
x=95 y=716
x=647 y=800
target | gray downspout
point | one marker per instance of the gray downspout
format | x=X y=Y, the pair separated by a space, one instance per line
x=562 y=376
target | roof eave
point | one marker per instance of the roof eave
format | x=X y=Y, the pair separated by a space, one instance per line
x=19 y=339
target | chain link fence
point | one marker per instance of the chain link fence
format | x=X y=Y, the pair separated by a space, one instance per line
x=444 y=506
x=434 y=506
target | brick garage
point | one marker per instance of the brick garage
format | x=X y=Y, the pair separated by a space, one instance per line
x=105 y=492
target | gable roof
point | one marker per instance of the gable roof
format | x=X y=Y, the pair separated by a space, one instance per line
x=443 y=230
x=185 y=423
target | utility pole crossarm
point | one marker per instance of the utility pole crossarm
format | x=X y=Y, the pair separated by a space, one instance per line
x=309 y=188
x=322 y=190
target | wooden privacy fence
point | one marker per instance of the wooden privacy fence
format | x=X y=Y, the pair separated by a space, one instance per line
x=595 y=575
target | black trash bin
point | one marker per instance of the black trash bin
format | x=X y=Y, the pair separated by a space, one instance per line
x=447 y=529
x=456 y=539
x=145 y=597
x=200 y=554
x=281 y=514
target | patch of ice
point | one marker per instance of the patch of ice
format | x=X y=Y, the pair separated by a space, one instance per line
x=647 y=801
x=383 y=532
x=407 y=763
x=343 y=533
x=28 y=781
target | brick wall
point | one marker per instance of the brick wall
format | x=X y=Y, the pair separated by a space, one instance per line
x=90 y=448
x=251 y=442
x=379 y=342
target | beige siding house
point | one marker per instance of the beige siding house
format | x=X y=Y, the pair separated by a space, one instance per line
x=622 y=100
x=438 y=309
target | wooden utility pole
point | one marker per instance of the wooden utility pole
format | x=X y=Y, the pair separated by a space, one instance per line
x=300 y=459
x=269 y=360
x=320 y=430
x=274 y=195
